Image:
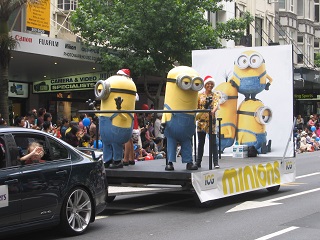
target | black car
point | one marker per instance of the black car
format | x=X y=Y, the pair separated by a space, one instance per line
x=66 y=188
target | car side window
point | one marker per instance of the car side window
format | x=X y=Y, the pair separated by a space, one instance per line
x=58 y=151
x=24 y=142
x=2 y=154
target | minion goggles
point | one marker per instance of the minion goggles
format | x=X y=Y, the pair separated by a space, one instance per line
x=262 y=115
x=188 y=83
x=255 y=60
x=106 y=90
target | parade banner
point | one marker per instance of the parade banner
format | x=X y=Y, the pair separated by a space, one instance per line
x=256 y=96
x=4 y=197
x=213 y=184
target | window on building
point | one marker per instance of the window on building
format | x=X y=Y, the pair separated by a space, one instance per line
x=282 y=33
x=300 y=7
x=258 y=32
x=308 y=9
x=291 y=37
x=309 y=48
x=67 y=5
x=300 y=58
x=282 y=4
x=316 y=11
x=316 y=43
x=291 y=6
x=300 y=39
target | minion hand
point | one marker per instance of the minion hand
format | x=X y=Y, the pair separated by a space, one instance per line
x=267 y=86
x=118 y=101
x=162 y=127
x=208 y=102
x=233 y=84
x=91 y=104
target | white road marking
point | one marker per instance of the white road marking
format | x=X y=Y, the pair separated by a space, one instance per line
x=293 y=195
x=308 y=175
x=144 y=208
x=255 y=204
x=277 y=233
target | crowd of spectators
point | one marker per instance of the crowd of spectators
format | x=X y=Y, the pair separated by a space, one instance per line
x=307 y=135
x=148 y=141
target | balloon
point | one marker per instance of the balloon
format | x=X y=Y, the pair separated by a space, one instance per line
x=100 y=145
x=317 y=139
x=313 y=128
x=148 y=157
x=145 y=107
x=86 y=122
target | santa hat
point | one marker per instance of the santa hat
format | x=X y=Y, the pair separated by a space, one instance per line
x=124 y=71
x=209 y=79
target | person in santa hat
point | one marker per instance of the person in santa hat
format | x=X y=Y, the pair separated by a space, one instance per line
x=207 y=100
x=125 y=72
x=128 y=156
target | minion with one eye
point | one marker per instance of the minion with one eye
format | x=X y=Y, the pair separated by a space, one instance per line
x=253 y=117
x=249 y=74
x=227 y=110
x=116 y=93
x=183 y=84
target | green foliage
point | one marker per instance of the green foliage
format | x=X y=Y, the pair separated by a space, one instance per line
x=151 y=35
x=317 y=60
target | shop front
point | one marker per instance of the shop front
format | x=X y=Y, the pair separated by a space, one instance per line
x=306 y=92
x=64 y=97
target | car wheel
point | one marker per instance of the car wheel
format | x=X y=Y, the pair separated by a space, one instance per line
x=273 y=189
x=76 y=212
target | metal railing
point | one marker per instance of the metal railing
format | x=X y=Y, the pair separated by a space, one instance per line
x=97 y=112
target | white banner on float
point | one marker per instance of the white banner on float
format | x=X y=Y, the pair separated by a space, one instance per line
x=260 y=90
x=4 y=197
x=215 y=184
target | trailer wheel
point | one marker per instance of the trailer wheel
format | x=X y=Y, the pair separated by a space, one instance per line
x=273 y=189
x=110 y=199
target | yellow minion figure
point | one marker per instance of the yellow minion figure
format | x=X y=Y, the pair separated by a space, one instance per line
x=116 y=93
x=183 y=84
x=227 y=110
x=249 y=74
x=252 y=119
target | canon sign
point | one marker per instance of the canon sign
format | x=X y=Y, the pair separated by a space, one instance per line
x=23 y=39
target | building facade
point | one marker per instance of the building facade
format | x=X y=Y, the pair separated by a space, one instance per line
x=299 y=25
x=50 y=66
x=294 y=22
x=49 y=52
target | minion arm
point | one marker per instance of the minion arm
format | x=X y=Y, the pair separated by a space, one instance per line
x=269 y=83
x=233 y=83
x=119 y=101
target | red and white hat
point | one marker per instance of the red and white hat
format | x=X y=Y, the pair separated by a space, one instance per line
x=209 y=79
x=124 y=71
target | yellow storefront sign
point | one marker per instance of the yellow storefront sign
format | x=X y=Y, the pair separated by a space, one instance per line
x=38 y=17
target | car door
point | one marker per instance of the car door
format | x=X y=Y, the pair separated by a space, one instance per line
x=44 y=183
x=10 y=199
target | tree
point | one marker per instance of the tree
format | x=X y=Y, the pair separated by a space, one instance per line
x=317 y=60
x=7 y=44
x=150 y=36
